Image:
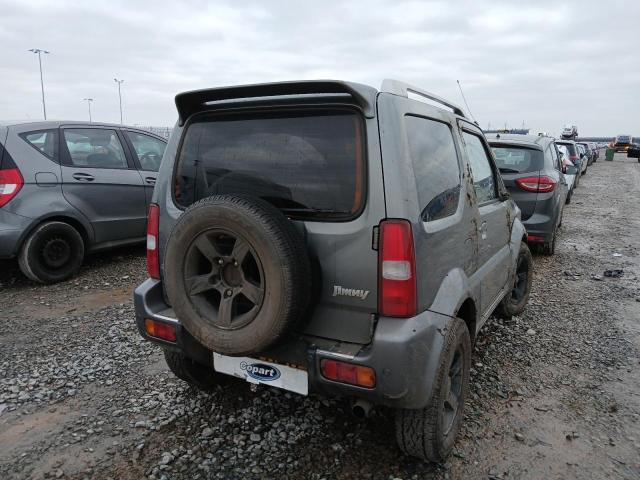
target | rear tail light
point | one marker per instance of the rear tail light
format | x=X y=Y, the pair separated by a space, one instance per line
x=10 y=184
x=534 y=238
x=350 y=373
x=397 y=270
x=537 y=184
x=164 y=331
x=153 y=229
x=574 y=158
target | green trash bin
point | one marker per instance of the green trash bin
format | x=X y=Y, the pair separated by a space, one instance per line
x=608 y=156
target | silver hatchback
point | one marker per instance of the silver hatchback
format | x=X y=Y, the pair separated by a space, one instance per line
x=67 y=188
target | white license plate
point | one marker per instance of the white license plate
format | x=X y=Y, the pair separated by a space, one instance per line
x=260 y=371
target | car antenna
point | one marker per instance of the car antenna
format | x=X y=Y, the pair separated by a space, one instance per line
x=465 y=102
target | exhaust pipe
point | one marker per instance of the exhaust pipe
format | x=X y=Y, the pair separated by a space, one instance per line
x=361 y=408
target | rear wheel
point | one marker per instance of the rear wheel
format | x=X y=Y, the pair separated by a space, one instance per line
x=51 y=253
x=429 y=433
x=549 y=248
x=192 y=372
x=515 y=301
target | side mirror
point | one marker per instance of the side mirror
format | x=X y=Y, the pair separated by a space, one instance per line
x=504 y=196
x=570 y=170
x=582 y=155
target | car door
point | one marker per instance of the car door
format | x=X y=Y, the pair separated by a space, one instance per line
x=147 y=152
x=556 y=165
x=493 y=230
x=99 y=180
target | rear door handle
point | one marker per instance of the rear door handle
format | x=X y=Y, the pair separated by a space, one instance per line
x=83 y=177
x=150 y=180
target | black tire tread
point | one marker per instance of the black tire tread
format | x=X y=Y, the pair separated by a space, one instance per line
x=287 y=240
x=506 y=308
x=27 y=261
x=417 y=432
x=192 y=372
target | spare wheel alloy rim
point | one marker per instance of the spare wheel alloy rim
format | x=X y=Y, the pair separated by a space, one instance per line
x=224 y=278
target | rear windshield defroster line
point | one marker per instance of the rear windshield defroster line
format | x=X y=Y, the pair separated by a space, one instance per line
x=308 y=163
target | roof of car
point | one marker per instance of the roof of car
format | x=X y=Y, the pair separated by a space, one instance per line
x=45 y=124
x=525 y=140
x=365 y=96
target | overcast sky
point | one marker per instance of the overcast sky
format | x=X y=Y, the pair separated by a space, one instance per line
x=546 y=63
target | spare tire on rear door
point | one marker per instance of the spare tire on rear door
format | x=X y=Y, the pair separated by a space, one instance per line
x=237 y=273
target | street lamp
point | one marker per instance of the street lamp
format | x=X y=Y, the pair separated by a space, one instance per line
x=89 y=100
x=119 y=82
x=39 y=52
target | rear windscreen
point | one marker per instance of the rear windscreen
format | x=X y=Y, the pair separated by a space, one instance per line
x=623 y=139
x=307 y=164
x=512 y=159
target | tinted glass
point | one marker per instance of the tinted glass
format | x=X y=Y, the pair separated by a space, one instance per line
x=515 y=159
x=623 y=139
x=435 y=166
x=94 y=147
x=483 y=181
x=148 y=149
x=307 y=164
x=45 y=141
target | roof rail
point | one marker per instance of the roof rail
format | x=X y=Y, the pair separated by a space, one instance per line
x=396 y=87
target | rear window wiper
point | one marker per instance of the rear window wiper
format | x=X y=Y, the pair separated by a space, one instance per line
x=508 y=170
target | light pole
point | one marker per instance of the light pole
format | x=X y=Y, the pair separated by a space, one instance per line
x=39 y=52
x=119 y=82
x=89 y=100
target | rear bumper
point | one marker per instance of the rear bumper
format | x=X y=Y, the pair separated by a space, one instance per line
x=404 y=353
x=12 y=227
x=540 y=225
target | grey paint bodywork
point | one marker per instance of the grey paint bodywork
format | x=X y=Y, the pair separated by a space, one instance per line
x=543 y=210
x=109 y=210
x=467 y=258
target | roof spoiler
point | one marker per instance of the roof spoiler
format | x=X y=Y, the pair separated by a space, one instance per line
x=189 y=103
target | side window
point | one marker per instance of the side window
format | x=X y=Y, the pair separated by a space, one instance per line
x=148 y=149
x=45 y=141
x=555 y=157
x=94 y=147
x=483 y=181
x=435 y=166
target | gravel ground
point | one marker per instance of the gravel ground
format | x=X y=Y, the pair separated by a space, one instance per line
x=555 y=392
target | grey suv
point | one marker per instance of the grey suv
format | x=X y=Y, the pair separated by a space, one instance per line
x=326 y=236
x=67 y=188
x=532 y=172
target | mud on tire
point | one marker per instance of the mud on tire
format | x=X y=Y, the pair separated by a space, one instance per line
x=237 y=273
x=192 y=372
x=515 y=301
x=429 y=433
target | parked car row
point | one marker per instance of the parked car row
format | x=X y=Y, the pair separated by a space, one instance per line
x=541 y=174
x=69 y=188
